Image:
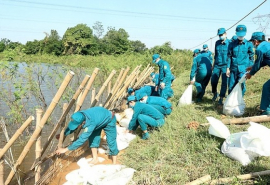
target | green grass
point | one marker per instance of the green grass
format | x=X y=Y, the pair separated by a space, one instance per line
x=177 y=155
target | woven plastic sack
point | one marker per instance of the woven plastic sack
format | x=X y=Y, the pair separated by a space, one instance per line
x=186 y=98
x=217 y=128
x=234 y=104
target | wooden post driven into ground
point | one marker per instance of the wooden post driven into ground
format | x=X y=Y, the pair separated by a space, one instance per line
x=63 y=116
x=2 y=171
x=87 y=89
x=41 y=125
x=38 y=144
x=103 y=88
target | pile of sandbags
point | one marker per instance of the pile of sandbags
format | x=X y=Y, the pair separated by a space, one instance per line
x=99 y=174
x=242 y=146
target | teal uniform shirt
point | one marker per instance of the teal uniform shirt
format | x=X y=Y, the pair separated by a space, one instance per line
x=263 y=59
x=145 y=89
x=96 y=118
x=141 y=108
x=165 y=74
x=153 y=100
x=201 y=66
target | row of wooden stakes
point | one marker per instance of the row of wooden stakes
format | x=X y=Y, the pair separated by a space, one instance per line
x=115 y=96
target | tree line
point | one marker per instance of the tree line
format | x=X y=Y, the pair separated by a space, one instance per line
x=83 y=40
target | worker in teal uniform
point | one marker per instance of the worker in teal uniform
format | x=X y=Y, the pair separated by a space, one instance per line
x=201 y=70
x=93 y=120
x=165 y=76
x=155 y=78
x=233 y=38
x=263 y=58
x=220 y=65
x=144 y=115
x=240 y=57
x=148 y=89
x=206 y=50
x=162 y=105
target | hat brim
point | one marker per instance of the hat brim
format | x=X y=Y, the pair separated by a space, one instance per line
x=154 y=61
x=221 y=33
x=72 y=125
x=240 y=34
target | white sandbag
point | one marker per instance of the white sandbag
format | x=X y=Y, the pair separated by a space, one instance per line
x=186 y=98
x=234 y=104
x=74 y=178
x=124 y=122
x=122 y=177
x=217 y=128
x=118 y=117
x=231 y=147
x=257 y=139
x=128 y=113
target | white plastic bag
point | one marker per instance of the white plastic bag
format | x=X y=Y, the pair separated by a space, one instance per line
x=232 y=148
x=234 y=104
x=217 y=128
x=186 y=98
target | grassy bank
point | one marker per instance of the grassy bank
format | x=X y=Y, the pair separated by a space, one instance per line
x=177 y=155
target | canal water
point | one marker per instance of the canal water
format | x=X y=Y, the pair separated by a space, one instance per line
x=48 y=79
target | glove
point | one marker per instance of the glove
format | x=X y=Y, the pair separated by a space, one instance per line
x=162 y=85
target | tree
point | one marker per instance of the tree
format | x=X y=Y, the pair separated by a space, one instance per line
x=116 y=42
x=2 y=46
x=52 y=44
x=98 y=28
x=164 y=49
x=78 y=40
x=138 y=46
x=32 y=47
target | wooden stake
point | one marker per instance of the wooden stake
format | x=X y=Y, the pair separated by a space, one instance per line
x=103 y=88
x=63 y=116
x=201 y=180
x=86 y=90
x=257 y=119
x=38 y=144
x=242 y=177
x=41 y=125
x=63 y=128
x=16 y=135
x=2 y=171
x=93 y=95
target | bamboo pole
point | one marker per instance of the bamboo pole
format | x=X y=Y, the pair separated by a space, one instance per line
x=201 y=180
x=257 y=119
x=86 y=90
x=117 y=80
x=2 y=171
x=63 y=126
x=103 y=88
x=109 y=87
x=241 y=177
x=117 y=85
x=38 y=144
x=93 y=95
x=16 y=135
x=41 y=125
x=63 y=116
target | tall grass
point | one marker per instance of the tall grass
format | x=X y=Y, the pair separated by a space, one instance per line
x=177 y=155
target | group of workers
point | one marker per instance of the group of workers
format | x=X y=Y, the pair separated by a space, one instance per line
x=233 y=58
x=150 y=106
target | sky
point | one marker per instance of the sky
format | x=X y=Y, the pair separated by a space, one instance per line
x=185 y=24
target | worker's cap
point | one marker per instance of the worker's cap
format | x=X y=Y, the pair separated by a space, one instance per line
x=139 y=96
x=131 y=98
x=196 y=51
x=221 y=31
x=130 y=90
x=260 y=36
x=154 y=57
x=76 y=119
x=234 y=37
x=205 y=46
x=152 y=74
x=241 y=30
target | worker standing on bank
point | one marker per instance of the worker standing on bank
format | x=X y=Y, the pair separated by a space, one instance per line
x=165 y=77
x=263 y=58
x=200 y=73
x=240 y=57
x=220 y=66
x=93 y=120
x=206 y=50
x=144 y=115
